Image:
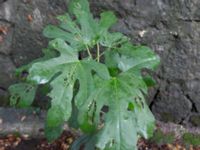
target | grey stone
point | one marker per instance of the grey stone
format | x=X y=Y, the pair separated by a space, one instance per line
x=167 y=105
x=24 y=121
x=6 y=37
x=7 y=69
x=8 y=10
x=1 y=1
x=31 y=18
x=193 y=92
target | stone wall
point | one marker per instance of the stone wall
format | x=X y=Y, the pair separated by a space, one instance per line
x=170 y=27
x=21 y=40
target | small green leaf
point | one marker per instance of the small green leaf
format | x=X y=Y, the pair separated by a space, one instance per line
x=88 y=26
x=135 y=58
x=48 y=53
x=22 y=94
x=54 y=32
x=52 y=133
x=112 y=40
x=88 y=141
x=111 y=58
x=107 y=20
x=73 y=122
x=78 y=5
x=132 y=58
x=149 y=81
x=68 y=24
x=55 y=116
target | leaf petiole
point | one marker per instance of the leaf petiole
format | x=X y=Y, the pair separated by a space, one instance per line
x=88 y=51
x=98 y=53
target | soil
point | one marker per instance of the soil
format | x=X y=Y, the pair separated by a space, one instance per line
x=33 y=123
x=13 y=142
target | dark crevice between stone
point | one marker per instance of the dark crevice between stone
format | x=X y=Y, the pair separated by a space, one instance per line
x=185 y=120
x=154 y=25
x=135 y=2
x=189 y=20
x=154 y=98
x=98 y=7
x=182 y=120
x=2 y=1
x=3 y=89
x=194 y=108
x=3 y=54
x=127 y=24
x=8 y=22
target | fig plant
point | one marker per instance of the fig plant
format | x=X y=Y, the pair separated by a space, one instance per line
x=96 y=81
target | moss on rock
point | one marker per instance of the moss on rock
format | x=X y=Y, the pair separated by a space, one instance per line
x=195 y=120
x=162 y=138
x=191 y=139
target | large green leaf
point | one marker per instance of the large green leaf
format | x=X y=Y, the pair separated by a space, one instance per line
x=83 y=88
x=122 y=123
x=62 y=72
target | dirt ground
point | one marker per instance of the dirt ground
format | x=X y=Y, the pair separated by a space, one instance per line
x=12 y=142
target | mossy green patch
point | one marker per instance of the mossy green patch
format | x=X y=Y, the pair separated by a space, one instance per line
x=4 y=100
x=195 y=120
x=167 y=117
x=16 y=134
x=162 y=138
x=191 y=139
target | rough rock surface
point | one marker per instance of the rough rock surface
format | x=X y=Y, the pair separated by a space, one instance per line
x=21 y=40
x=171 y=28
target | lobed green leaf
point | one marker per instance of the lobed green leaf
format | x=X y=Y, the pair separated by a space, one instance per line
x=22 y=94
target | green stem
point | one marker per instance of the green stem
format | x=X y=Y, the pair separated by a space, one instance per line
x=98 y=53
x=100 y=56
x=88 y=51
